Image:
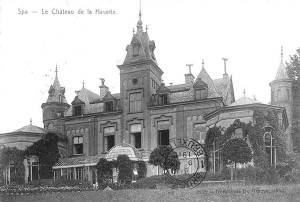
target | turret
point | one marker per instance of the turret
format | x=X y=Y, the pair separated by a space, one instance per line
x=55 y=106
x=281 y=92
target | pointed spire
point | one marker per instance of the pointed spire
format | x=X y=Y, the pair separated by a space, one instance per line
x=140 y=23
x=203 y=63
x=83 y=84
x=56 y=70
x=30 y=121
x=281 y=54
x=281 y=72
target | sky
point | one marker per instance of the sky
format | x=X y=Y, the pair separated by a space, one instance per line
x=90 y=46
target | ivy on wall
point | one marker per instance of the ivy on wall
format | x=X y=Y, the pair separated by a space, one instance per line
x=46 y=149
x=14 y=157
x=255 y=131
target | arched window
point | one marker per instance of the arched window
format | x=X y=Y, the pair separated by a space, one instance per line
x=270 y=146
x=33 y=168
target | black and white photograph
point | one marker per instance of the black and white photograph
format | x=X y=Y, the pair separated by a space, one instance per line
x=139 y=100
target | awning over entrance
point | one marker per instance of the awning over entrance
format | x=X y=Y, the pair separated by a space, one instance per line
x=130 y=151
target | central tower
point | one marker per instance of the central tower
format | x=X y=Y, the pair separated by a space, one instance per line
x=140 y=76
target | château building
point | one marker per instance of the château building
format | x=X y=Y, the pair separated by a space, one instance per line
x=148 y=113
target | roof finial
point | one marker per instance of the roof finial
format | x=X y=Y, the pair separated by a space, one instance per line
x=203 y=63
x=140 y=10
x=189 y=65
x=225 y=60
x=281 y=53
x=244 y=92
x=83 y=84
x=56 y=70
x=30 y=121
x=146 y=28
x=139 y=25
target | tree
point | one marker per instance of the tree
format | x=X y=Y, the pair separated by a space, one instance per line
x=236 y=151
x=165 y=157
x=46 y=149
x=125 y=168
x=293 y=67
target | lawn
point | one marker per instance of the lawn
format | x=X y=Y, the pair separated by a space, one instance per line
x=207 y=193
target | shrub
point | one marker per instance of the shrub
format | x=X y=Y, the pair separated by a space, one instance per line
x=104 y=171
x=60 y=183
x=125 y=168
x=142 y=169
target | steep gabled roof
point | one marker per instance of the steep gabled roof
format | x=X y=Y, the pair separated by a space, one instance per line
x=200 y=84
x=87 y=96
x=212 y=90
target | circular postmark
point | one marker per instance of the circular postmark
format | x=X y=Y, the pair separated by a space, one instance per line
x=193 y=163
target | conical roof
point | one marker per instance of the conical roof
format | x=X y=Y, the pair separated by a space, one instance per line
x=281 y=72
x=56 y=92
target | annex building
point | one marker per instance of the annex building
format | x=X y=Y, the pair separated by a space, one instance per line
x=148 y=113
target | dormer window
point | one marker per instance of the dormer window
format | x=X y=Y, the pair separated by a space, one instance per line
x=200 y=94
x=164 y=99
x=201 y=89
x=109 y=106
x=77 y=110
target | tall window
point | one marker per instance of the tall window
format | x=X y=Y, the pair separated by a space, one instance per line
x=136 y=135
x=33 y=168
x=163 y=137
x=200 y=94
x=135 y=102
x=200 y=132
x=270 y=147
x=77 y=110
x=79 y=173
x=215 y=157
x=109 y=138
x=77 y=145
x=287 y=94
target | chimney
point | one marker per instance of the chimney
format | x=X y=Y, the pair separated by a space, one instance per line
x=189 y=78
x=103 y=88
x=225 y=75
